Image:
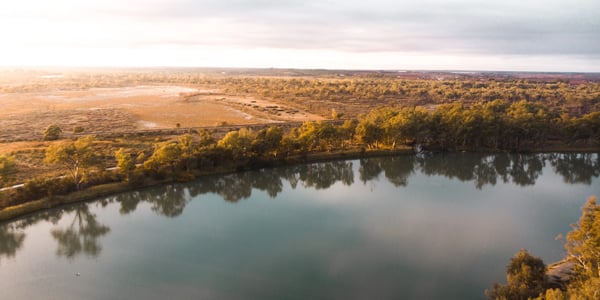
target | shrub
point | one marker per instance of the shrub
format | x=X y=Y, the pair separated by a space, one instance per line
x=52 y=133
x=526 y=278
x=37 y=188
x=7 y=166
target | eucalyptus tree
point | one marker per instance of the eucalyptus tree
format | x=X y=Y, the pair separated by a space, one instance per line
x=583 y=242
x=76 y=157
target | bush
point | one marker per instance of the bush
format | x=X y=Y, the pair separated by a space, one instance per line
x=59 y=186
x=136 y=178
x=52 y=133
x=38 y=188
x=9 y=198
x=102 y=177
x=526 y=278
x=7 y=166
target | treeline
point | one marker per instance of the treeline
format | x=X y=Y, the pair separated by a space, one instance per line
x=354 y=95
x=496 y=125
x=318 y=93
x=420 y=90
x=491 y=125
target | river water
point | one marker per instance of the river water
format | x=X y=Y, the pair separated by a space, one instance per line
x=410 y=227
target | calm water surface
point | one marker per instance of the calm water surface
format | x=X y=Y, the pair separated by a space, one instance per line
x=428 y=227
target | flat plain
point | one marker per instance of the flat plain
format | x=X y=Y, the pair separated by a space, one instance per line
x=135 y=108
x=25 y=115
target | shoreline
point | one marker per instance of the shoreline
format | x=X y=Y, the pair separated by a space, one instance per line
x=104 y=190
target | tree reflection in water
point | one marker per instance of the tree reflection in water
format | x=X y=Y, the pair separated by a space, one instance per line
x=482 y=169
x=239 y=186
x=396 y=169
x=521 y=169
x=129 y=201
x=82 y=235
x=11 y=240
x=268 y=181
x=369 y=169
x=576 y=167
x=167 y=200
x=324 y=175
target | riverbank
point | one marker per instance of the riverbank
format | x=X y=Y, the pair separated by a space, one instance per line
x=560 y=273
x=105 y=190
x=112 y=188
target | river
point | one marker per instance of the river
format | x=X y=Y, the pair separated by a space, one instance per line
x=437 y=226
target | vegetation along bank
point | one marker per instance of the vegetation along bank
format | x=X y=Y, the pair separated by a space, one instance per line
x=141 y=161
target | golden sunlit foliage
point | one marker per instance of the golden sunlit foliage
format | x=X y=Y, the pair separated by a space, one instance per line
x=75 y=157
x=526 y=278
x=526 y=275
x=7 y=166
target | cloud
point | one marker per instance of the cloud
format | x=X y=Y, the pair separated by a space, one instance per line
x=496 y=27
x=436 y=27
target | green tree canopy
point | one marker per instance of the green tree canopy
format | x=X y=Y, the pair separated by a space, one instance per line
x=526 y=278
x=75 y=157
x=125 y=163
x=583 y=242
x=238 y=142
x=166 y=154
x=267 y=140
x=52 y=133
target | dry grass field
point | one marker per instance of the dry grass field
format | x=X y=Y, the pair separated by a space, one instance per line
x=113 y=106
x=25 y=115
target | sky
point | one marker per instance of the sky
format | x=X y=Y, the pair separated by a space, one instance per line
x=506 y=35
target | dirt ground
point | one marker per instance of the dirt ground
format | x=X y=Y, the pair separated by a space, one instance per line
x=24 y=116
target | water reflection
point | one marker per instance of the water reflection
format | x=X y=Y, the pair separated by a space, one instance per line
x=520 y=169
x=11 y=240
x=397 y=170
x=239 y=186
x=324 y=175
x=82 y=233
x=482 y=169
x=169 y=201
x=576 y=167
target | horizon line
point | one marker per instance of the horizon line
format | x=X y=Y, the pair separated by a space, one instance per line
x=390 y=70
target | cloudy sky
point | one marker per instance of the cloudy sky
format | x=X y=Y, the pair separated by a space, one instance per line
x=534 y=35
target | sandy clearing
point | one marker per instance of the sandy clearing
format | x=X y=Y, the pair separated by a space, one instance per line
x=104 y=94
x=24 y=116
x=261 y=108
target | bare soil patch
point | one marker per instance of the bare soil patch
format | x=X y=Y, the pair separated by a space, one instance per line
x=252 y=108
x=24 y=116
